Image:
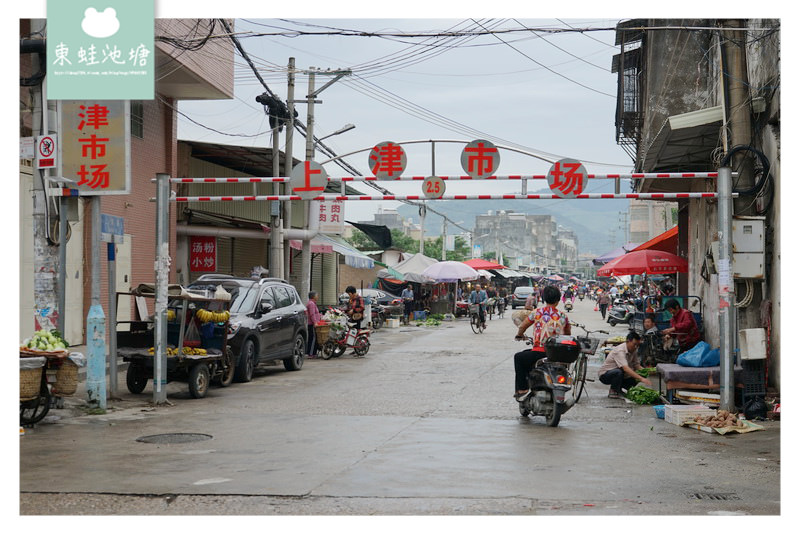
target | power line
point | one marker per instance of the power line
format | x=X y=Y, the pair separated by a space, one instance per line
x=551 y=70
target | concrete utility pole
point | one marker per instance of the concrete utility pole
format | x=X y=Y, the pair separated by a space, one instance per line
x=287 y=169
x=162 y=266
x=275 y=237
x=726 y=292
x=305 y=258
x=48 y=312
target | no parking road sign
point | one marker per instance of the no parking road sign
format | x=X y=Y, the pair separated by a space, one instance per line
x=45 y=151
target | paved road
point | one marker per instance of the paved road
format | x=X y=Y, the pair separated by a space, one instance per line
x=424 y=425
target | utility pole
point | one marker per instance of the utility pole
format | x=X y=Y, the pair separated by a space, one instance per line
x=287 y=206
x=726 y=290
x=48 y=314
x=624 y=220
x=444 y=239
x=275 y=236
x=305 y=258
x=310 y=215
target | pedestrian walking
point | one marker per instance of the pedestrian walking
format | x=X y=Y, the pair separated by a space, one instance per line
x=314 y=318
x=408 y=303
x=602 y=302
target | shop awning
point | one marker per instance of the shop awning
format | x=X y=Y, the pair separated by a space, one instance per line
x=684 y=142
x=666 y=242
x=326 y=244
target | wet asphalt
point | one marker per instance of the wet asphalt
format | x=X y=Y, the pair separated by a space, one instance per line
x=425 y=424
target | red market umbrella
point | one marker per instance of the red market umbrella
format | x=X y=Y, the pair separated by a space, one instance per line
x=483 y=264
x=644 y=262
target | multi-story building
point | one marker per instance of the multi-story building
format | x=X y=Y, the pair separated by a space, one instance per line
x=182 y=73
x=648 y=219
x=694 y=96
x=529 y=239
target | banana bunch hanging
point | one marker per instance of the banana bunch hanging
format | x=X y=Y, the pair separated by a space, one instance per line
x=206 y=316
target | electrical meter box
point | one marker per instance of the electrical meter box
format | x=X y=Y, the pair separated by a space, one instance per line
x=753 y=344
x=747 y=234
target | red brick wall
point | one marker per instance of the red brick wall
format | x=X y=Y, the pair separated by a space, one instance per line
x=152 y=154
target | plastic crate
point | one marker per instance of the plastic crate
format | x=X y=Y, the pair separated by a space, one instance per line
x=420 y=315
x=678 y=414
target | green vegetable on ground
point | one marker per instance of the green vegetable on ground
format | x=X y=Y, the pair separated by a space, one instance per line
x=642 y=395
x=644 y=372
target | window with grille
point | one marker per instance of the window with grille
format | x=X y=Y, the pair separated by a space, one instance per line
x=137 y=119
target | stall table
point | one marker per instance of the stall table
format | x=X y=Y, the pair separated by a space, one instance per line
x=695 y=378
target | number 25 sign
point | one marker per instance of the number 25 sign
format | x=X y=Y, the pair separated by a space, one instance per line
x=567 y=178
x=433 y=187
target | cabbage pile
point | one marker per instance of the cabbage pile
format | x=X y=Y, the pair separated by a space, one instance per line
x=46 y=341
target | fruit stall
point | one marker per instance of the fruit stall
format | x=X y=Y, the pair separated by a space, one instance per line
x=197 y=335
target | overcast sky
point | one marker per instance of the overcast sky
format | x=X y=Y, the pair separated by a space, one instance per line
x=552 y=94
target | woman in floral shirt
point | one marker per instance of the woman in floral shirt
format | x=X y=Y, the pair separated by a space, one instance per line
x=547 y=322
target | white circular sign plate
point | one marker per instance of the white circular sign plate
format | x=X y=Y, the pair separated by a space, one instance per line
x=567 y=178
x=308 y=180
x=387 y=160
x=480 y=159
x=433 y=187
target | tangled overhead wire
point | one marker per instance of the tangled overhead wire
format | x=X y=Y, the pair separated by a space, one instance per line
x=764 y=182
x=276 y=108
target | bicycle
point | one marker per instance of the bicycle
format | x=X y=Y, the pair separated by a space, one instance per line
x=478 y=325
x=589 y=346
x=501 y=307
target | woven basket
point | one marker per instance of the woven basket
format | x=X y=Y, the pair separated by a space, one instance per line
x=29 y=382
x=66 y=379
x=322 y=333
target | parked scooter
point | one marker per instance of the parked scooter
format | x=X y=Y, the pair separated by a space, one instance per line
x=345 y=335
x=621 y=313
x=378 y=316
x=550 y=381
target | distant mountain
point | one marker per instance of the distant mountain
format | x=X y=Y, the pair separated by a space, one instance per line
x=592 y=220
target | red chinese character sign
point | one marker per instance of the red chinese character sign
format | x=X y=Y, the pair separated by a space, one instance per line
x=480 y=159
x=308 y=180
x=433 y=187
x=567 y=178
x=202 y=254
x=331 y=217
x=387 y=160
x=94 y=145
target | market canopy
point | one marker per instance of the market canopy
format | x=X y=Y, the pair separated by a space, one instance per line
x=411 y=269
x=666 y=242
x=450 y=272
x=645 y=262
x=322 y=243
x=613 y=254
x=482 y=264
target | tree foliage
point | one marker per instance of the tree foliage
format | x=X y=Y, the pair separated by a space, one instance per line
x=432 y=248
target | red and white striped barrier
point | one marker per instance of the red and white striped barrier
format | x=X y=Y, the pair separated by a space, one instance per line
x=330 y=197
x=680 y=175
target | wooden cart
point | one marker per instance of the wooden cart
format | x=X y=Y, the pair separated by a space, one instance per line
x=199 y=362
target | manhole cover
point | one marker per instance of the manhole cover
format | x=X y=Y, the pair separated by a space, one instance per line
x=174 y=438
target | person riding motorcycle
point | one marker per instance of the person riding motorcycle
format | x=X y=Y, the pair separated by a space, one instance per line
x=547 y=322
